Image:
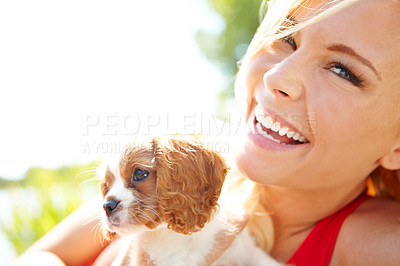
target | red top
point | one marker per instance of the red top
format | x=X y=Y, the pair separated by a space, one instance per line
x=317 y=248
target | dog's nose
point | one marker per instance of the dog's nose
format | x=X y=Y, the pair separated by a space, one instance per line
x=110 y=206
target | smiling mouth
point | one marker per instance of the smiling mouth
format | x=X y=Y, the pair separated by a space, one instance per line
x=273 y=130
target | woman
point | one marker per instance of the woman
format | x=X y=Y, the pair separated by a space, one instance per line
x=320 y=88
x=328 y=73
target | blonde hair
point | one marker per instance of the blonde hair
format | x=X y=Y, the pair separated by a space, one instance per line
x=245 y=193
x=276 y=25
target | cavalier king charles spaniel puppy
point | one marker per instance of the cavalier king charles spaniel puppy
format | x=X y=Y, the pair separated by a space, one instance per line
x=164 y=196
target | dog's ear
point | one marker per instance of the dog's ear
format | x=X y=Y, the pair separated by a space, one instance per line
x=189 y=182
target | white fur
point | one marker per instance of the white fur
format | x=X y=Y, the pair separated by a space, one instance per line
x=119 y=192
x=167 y=247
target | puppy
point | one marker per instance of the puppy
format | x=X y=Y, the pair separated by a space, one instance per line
x=164 y=196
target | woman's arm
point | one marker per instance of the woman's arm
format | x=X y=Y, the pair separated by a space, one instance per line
x=76 y=240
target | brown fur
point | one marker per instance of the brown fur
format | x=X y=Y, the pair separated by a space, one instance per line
x=106 y=182
x=183 y=187
x=108 y=235
x=189 y=183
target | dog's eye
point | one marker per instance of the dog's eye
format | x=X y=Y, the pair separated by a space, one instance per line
x=139 y=174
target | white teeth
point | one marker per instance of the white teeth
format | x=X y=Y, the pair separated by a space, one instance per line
x=290 y=134
x=265 y=134
x=302 y=139
x=276 y=126
x=268 y=122
x=296 y=136
x=283 y=131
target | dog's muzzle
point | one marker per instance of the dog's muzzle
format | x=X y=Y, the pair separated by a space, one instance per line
x=110 y=206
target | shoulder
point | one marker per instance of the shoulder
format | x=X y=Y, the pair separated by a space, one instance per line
x=371 y=235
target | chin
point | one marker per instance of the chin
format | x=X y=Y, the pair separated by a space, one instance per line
x=265 y=168
x=254 y=163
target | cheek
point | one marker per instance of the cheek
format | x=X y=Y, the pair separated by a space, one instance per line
x=351 y=135
x=118 y=191
x=355 y=123
x=252 y=72
x=144 y=197
x=141 y=193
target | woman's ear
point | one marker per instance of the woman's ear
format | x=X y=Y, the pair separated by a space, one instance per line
x=189 y=183
x=391 y=160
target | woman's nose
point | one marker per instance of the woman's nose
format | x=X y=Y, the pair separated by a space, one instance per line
x=285 y=81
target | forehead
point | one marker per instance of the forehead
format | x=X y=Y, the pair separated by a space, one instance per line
x=370 y=27
x=138 y=153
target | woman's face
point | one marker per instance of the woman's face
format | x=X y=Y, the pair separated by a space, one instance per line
x=335 y=88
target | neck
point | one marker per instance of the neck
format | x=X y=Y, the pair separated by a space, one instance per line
x=295 y=212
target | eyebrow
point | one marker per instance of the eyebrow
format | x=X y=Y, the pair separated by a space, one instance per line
x=341 y=48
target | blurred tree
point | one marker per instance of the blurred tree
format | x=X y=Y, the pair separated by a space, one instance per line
x=42 y=199
x=227 y=47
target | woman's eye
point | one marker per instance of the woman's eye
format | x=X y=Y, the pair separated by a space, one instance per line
x=345 y=73
x=139 y=174
x=290 y=40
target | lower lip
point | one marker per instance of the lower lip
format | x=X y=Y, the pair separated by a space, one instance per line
x=268 y=144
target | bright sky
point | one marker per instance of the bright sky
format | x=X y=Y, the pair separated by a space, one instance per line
x=76 y=75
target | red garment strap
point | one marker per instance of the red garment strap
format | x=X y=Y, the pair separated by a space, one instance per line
x=317 y=248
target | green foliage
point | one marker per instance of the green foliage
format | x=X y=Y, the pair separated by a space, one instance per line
x=42 y=199
x=227 y=47
x=4 y=183
x=46 y=196
x=241 y=19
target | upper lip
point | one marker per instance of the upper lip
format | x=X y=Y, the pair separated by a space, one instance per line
x=282 y=121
